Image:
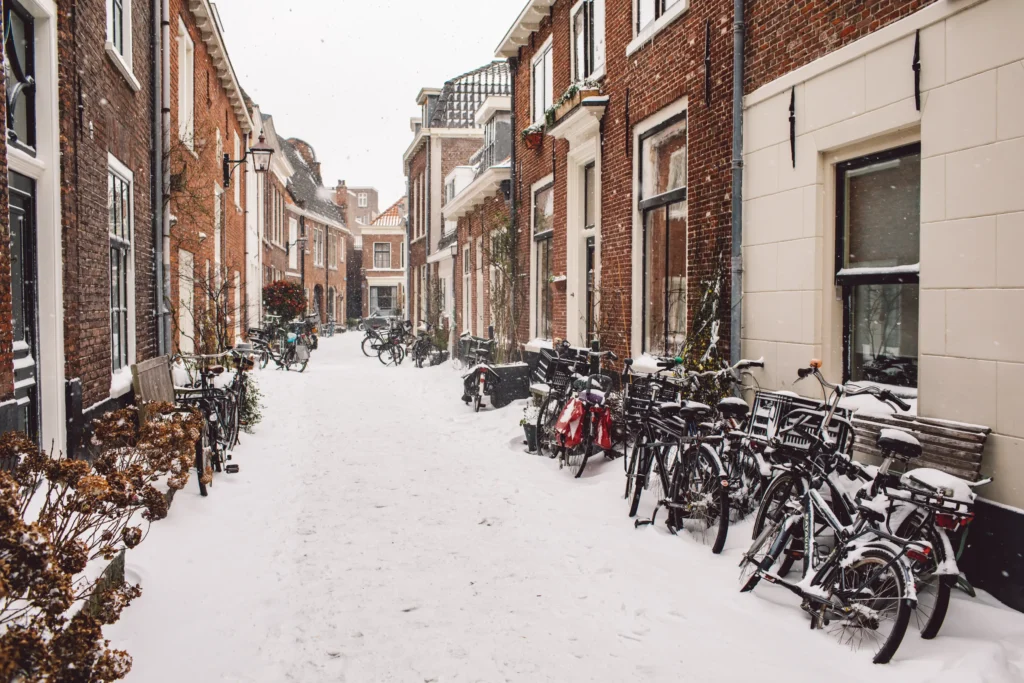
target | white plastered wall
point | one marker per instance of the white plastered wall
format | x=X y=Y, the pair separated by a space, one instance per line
x=858 y=100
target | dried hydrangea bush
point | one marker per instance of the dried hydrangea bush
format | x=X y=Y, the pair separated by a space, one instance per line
x=58 y=515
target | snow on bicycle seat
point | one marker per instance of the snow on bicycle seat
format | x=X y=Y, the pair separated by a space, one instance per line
x=733 y=407
x=694 y=410
x=900 y=443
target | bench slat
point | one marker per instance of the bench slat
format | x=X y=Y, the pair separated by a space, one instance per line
x=918 y=425
x=960 y=469
x=927 y=440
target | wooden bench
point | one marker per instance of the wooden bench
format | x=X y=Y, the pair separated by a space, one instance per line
x=153 y=383
x=951 y=447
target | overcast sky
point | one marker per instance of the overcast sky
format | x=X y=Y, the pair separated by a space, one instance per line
x=343 y=74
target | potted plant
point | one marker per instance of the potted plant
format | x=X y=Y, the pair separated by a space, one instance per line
x=533 y=136
x=529 y=424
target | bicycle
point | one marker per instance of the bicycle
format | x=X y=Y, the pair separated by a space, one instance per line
x=585 y=420
x=219 y=406
x=864 y=582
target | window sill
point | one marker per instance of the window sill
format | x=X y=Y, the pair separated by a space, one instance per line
x=121 y=382
x=123 y=67
x=657 y=26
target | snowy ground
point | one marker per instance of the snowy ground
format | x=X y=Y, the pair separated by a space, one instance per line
x=381 y=531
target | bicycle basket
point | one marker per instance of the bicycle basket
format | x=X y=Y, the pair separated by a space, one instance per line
x=641 y=391
x=302 y=352
x=771 y=415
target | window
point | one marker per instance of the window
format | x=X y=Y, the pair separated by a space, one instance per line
x=116 y=25
x=648 y=11
x=119 y=38
x=588 y=39
x=878 y=239
x=382 y=298
x=363 y=200
x=541 y=82
x=119 y=205
x=382 y=256
x=239 y=308
x=293 y=247
x=332 y=251
x=237 y=180
x=543 y=231
x=186 y=87
x=663 y=207
x=449 y=190
x=20 y=76
x=218 y=223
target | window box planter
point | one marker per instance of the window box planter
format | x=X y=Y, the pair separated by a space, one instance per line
x=533 y=139
x=569 y=103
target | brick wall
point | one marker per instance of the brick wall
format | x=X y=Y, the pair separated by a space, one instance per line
x=327 y=275
x=115 y=120
x=480 y=222
x=417 y=246
x=783 y=35
x=195 y=205
x=665 y=70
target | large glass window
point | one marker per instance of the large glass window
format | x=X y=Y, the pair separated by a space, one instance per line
x=119 y=205
x=382 y=256
x=543 y=231
x=648 y=11
x=588 y=39
x=541 y=83
x=20 y=71
x=663 y=204
x=878 y=238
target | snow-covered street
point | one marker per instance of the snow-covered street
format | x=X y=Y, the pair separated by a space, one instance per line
x=381 y=531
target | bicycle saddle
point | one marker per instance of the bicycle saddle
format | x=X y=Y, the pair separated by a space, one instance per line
x=694 y=410
x=899 y=443
x=733 y=407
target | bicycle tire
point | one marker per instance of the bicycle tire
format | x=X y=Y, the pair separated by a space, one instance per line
x=546 y=421
x=630 y=463
x=932 y=592
x=477 y=402
x=201 y=462
x=368 y=343
x=264 y=359
x=873 y=593
x=696 y=483
x=773 y=502
x=642 y=465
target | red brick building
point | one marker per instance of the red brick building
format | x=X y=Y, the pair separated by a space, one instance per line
x=208 y=248
x=622 y=206
x=446 y=135
x=322 y=243
x=383 y=262
x=360 y=206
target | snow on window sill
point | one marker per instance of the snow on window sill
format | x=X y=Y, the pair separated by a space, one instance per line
x=657 y=26
x=121 y=382
x=123 y=66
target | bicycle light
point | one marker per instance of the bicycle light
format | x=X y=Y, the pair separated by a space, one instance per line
x=919 y=554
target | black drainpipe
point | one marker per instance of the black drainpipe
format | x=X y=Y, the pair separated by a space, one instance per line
x=736 y=320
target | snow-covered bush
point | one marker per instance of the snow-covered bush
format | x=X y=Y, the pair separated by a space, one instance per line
x=58 y=519
x=251 y=412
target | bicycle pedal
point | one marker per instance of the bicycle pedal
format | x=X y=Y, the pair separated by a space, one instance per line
x=642 y=522
x=231 y=469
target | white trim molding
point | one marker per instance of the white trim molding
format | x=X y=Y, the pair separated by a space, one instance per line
x=655 y=27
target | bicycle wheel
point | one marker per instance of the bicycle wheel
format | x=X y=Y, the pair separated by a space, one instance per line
x=876 y=607
x=757 y=558
x=783 y=489
x=367 y=347
x=697 y=500
x=641 y=466
x=264 y=359
x=933 y=589
x=546 y=421
x=631 y=468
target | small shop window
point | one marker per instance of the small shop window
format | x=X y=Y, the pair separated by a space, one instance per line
x=878 y=239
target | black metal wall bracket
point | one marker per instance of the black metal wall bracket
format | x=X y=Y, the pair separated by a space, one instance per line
x=792 y=125
x=916 y=66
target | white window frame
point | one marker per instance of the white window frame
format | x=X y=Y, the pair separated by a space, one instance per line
x=118 y=384
x=643 y=35
x=546 y=52
x=467 y=291
x=239 y=305
x=668 y=112
x=236 y=181
x=597 y=37
x=186 y=87
x=375 y=245
x=122 y=57
x=536 y=187
x=363 y=200
x=293 y=242
x=218 y=229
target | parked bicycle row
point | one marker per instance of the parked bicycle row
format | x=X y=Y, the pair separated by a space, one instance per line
x=290 y=344
x=865 y=549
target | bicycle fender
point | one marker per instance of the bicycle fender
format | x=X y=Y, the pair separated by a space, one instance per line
x=901 y=566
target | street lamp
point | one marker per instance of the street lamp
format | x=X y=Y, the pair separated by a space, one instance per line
x=261 y=154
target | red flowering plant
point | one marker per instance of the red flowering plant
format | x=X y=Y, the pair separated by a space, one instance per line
x=58 y=516
x=284 y=299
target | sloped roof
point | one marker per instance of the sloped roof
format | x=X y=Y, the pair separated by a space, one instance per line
x=393 y=216
x=462 y=96
x=305 y=188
